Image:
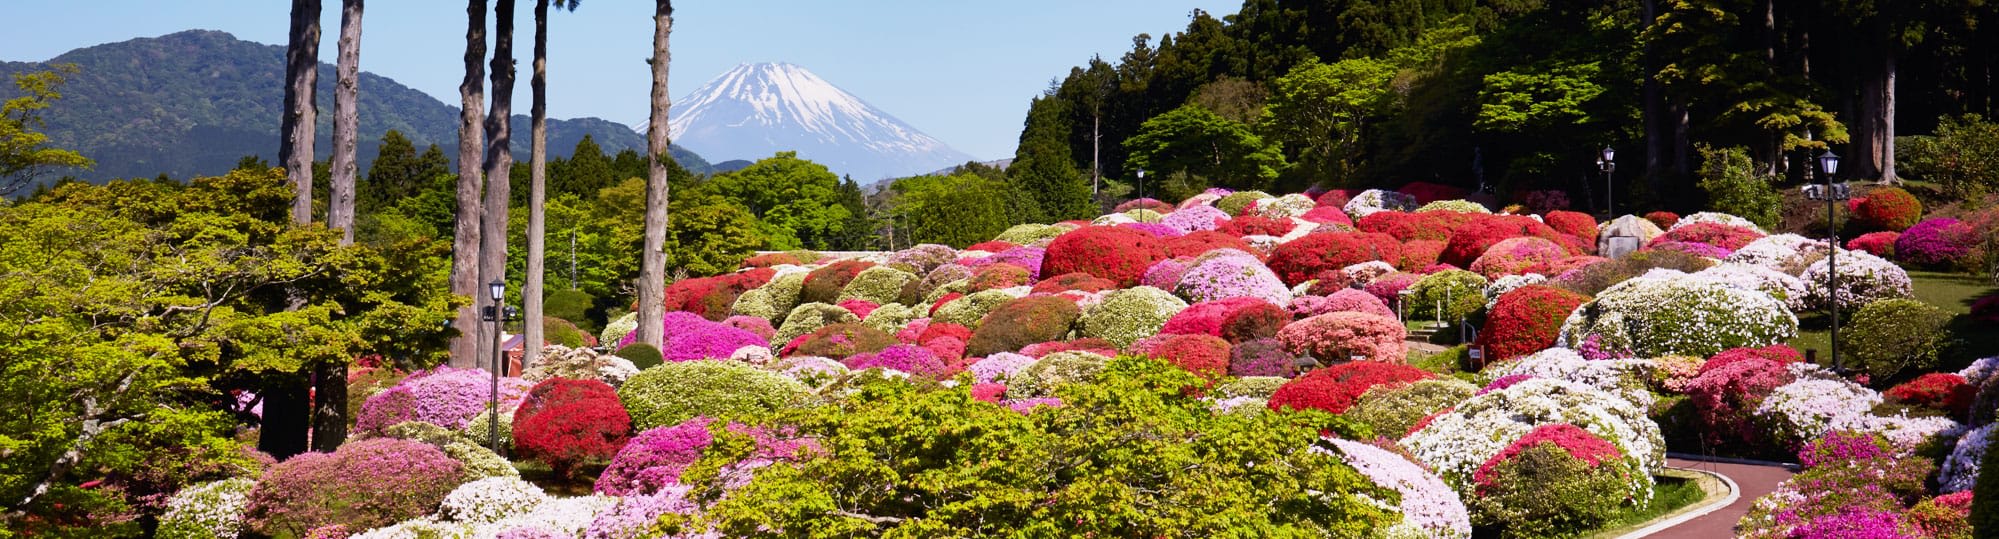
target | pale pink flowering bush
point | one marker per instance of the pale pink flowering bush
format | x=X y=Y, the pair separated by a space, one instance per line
x=1231 y=276
x=365 y=484
x=444 y=396
x=1429 y=507
x=635 y=514
x=1339 y=336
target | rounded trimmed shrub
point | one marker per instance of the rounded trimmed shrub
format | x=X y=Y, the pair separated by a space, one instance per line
x=1231 y=276
x=1429 y=508
x=675 y=392
x=823 y=285
x=809 y=317
x=641 y=355
x=564 y=423
x=1334 y=389
x=444 y=396
x=1345 y=299
x=1254 y=321
x=1021 y=322
x=1457 y=443
x=1663 y=219
x=998 y=275
x=969 y=310
x=1888 y=208
x=880 y=285
x=1573 y=223
x=1238 y=202
x=207 y=510
x=1205 y=318
x=1202 y=242
x=1262 y=357
x=1526 y=320
x=1470 y=241
x=1052 y=371
x=1302 y=259
x=1203 y=355
x=1125 y=316
x=838 y=341
x=1558 y=480
x=922 y=258
x=1661 y=317
x=1080 y=282
x=1341 y=336
x=1862 y=279
x=1195 y=218
x=364 y=484
x=1892 y=336
x=1392 y=410
x=907 y=358
x=1941 y=391
x=772 y=301
x=1726 y=237
x=1930 y=243
x=1117 y=254
x=1513 y=256
x=1449 y=295
x=1881 y=244
x=707 y=341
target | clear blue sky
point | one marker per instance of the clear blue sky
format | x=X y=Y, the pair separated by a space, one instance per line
x=960 y=71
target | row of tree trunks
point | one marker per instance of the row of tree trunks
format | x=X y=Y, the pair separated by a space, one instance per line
x=465 y=238
x=499 y=161
x=329 y=405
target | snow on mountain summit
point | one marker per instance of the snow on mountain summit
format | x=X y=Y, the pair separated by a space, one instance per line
x=755 y=110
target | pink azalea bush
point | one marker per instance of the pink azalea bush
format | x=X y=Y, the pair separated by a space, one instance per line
x=444 y=396
x=365 y=484
x=1339 y=336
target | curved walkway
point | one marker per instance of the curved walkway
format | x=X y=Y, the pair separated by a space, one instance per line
x=1754 y=480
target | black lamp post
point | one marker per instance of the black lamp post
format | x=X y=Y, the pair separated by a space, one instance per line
x=1831 y=193
x=494 y=313
x=1606 y=162
x=1141 y=183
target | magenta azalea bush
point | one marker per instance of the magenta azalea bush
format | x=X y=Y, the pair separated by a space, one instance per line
x=365 y=484
x=1929 y=244
x=444 y=396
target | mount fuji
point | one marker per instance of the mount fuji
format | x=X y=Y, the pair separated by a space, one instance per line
x=756 y=110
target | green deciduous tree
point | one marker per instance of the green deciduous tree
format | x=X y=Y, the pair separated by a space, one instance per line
x=797 y=201
x=25 y=152
x=1197 y=141
x=957 y=210
x=1323 y=113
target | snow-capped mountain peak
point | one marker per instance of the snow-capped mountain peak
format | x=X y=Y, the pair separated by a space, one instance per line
x=755 y=110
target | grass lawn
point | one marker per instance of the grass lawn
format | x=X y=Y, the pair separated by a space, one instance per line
x=1675 y=491
x=1952 y=292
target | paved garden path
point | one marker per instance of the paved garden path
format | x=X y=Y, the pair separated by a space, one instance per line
x=1754 y=480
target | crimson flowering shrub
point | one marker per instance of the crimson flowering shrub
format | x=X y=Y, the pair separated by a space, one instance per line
x=1512 y=256
x=1145 y=203
x=1663 y=219
x=1299 y=260
x=1726 y=394
x=1426 y=192
x=1569 y=438
x=860 y=307
x=934 y=330
x=1021 y=322
x=1335 y=198
x=1255 y=321
x=1881 y=244
x=1928 y=244
x=1526 y=320
x=364 y=484
x=1199 y=243
x=911 y=359
x=1346 y=299
x=1777 y=352
x=1117 y=254
x=1419 y=254
x=1255 y=225
x=1206 y=318
x=564 y=423
x=823 y=285
x=1345 y=335
x=1573 y=223
x=1888 y=208
x=1472 y=239
x=1081 y=282
x=1727 y=237
x=711 y=297
x=1408 y=226
x=1334 y=389
x=1327 y=215
x=1388 y=288
x=838 y=341
x=1947 y=392
x=1262 y=357
x=1203 y=355
x=772 y=259
x=997 y=275
x=993 y=246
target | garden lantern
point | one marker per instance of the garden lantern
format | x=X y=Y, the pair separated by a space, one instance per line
x=1141 y=183
x=1831 y=193
x=498 y=292
x=1606 y=162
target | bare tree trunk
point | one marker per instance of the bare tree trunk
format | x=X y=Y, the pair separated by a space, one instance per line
x=465 y=234
x=1886 y=133
x=531 y=289
x=301 y=78
x=329 y=403
x=346 y=120
x=499 y=161
x=652 y=262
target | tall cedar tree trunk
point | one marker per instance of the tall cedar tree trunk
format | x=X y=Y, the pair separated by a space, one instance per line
x=499 y=161
x=531 y=287
x=287 y=404
x=465 y=234
x=652 y=263
x=329 y=405
x=1658 y=144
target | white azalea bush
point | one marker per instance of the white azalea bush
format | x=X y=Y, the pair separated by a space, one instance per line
x=1127 y=315
x=1287 y=206
x=1509 y=283
x=1455 y=444
x=1376 y=200
x=1960 y=469
x=1653 y=317
x=1786 y=253
x=1862 y=279
x=1791 y=290
x=491 y=499
x=1716 y=218
x=1625 y=378
x=1429 y=508
x=207 y=510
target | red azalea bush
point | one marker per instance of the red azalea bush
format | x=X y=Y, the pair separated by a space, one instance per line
x=772 y=259
x=1569 y=438
x=1201 y=241
x=1512 y=256
x=1405 y=226
x=1889 y=208
x=1419 y=254
x=1082 y=282
x=1554 y=268
x=1725 y=395
x=364 y=484
x=1881 y=244
x=1943 y=391
x=1344 y=335
x=860 y=307
x=1117 y=254
x=1471 y=240
x=838 y=341
x=1726 y=237
x=1204 y=355
x=1255 y=225
x=1776 y=352
x=941 y=300
x=1335 y=198
x=993 y=246
x=998 y=275
x=1205 y=318
x=1144 y=203
x=1021 y=322
x=1663 y=219
x=1573 y=223
x=1259 y=320
x=823 y=285
x=1526 y=320
x=1334 y=389
x=564 y=423
x=934 y=330
x=711 y=297
x=1426 y=192
x=1299 y=260
x=1327 y=215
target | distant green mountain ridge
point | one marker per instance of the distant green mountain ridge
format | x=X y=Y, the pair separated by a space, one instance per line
x=193 y=103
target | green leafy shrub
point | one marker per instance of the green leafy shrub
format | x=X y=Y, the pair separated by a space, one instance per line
x=1458 y=293
x=1963 y=156
x=823 y=285
x=1053 y=370
x=969 y=310
x=1234 y=203
x=1248 y=386
x=1127 y=315
x=1545 y=492
x=773 y=300
x=618 y=328
x=1391 y=410
x=808 y=318
x=890 y=317
x=559 y=331
x=1892 y=336
x=642 y=355
x=1733 y=187
x=1022 y=322
x=571 y=305
x=838 y=341
x=722 y=390
x=880 y=285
